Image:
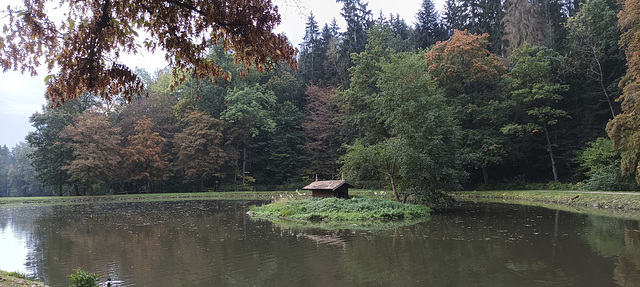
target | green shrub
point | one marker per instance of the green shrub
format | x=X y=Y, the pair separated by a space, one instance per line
x=610 y=179
x=83 y=279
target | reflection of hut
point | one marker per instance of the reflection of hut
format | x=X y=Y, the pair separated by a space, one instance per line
x=329 y=188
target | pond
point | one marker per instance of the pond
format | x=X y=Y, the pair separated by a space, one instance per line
x=214 y=243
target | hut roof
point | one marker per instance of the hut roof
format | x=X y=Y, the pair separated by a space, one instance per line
x=327 y=184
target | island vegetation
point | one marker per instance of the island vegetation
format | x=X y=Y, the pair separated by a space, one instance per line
x=523 y=93
x=337 y=209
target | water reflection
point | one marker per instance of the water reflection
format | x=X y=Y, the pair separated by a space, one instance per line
x=620 y=241
x=14 y=249
x=214 y=243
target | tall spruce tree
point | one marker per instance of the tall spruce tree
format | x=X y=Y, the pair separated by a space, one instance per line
x=429 y=27
x=354 y=39
x=455 y=17
x=311 y=53
x=330 y=44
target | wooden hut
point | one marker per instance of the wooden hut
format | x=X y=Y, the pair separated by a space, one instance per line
x=329 y=188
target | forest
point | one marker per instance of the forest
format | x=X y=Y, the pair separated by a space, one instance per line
x=488 y=94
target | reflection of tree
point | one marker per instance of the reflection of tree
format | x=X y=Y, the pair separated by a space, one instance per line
x=213 y=243
x=627 y=272
x=612 y=237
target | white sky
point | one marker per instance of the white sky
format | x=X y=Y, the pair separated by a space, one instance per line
x=22 y=95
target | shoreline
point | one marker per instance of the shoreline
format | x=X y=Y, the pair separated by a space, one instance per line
x=617 y=204
x=13 y=279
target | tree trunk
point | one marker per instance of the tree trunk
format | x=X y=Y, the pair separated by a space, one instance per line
x=550 y=148
x=393 y=187
x=485 y=175
x=604 y=89
x=244 y=162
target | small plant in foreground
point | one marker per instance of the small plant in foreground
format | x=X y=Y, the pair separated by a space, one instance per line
x=83 y=279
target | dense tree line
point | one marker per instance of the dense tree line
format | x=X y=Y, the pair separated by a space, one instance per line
x=488 y=93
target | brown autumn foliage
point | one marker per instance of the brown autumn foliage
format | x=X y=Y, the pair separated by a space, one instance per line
x=144 y=159
x=462 y=61
x=624 y=129
x=84 y=49
x=200 y=147
x=320 y=129
x=96 y=149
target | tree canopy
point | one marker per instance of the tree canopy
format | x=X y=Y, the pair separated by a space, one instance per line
x=82 y=52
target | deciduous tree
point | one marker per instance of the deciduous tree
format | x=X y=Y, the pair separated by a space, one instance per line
x=97 y=155
x=593 y=42
x=51 y=151
x=624 y=130
x=144 y=160
x=534 y=96
x=200 y=148
x=416 y=112
x=23 y=175
x=319 y=126
x=82 y=52
x=250 y=110
x=471 y=78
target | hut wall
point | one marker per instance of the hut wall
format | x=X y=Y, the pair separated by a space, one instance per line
x=342 y=192
x=322 y=193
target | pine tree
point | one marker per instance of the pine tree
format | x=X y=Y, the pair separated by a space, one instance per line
x=311 y=53
x=455 y=17
x=429 y=28
x=354 y=39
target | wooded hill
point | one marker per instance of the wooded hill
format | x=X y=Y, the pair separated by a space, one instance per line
x=489 y=94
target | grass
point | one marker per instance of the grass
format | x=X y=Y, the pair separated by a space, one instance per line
x=238 y=195
x=14 y=279
x=616 y=200
x=613 y=204
x=358 y=213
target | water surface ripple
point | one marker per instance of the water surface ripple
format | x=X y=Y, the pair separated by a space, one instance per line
x=214 y=243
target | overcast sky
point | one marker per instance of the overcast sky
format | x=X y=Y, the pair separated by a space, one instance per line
x=22 y=95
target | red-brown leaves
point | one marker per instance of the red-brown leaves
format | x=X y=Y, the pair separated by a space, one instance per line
x=84 y=51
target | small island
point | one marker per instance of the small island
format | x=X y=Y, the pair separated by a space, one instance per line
x=338 y=209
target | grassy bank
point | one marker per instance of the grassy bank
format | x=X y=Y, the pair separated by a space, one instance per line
x=613 y=204
x=239 y=195
x=606 y=200
x=12 y=279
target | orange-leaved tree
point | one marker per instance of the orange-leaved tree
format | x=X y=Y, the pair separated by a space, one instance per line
x=471 y=78
x=201 y=148
x=624 y=129
x=144 y=160
x=96 y=151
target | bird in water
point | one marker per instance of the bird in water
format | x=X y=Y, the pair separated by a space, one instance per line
x=110 y=283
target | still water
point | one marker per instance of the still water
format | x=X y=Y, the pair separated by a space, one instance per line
x=214 y=243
